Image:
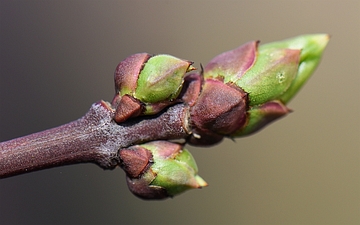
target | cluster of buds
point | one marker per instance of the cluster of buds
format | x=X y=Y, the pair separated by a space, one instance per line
x=236 y=94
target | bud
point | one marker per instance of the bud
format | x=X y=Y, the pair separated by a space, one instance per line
x=312 y=48
x=150 y=83
x=265 y=78
x=160 y=169
x=268 y=107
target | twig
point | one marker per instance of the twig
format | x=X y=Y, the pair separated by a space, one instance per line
x=93 y=138
x=157 y=100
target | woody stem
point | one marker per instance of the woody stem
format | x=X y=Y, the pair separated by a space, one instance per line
x=94 y=138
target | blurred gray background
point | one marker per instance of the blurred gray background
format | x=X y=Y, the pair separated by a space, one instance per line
x=58 y=57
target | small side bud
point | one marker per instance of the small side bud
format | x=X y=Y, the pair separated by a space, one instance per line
x=169 y=171
x=148 y=84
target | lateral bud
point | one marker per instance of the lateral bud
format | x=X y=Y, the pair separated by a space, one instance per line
x=160 y=169
x=146 y=84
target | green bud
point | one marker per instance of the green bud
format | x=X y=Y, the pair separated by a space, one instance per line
x=312 y=48
x=175 y=168
x=271 y=75
x=161 y=78
x=146 y=84
x=171 y=170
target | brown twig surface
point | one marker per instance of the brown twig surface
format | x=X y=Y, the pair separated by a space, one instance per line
x=95 y=138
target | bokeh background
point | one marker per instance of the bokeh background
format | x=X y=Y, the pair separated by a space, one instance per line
x=58 y=57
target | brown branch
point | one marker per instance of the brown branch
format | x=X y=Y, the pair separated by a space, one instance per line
x=93 y=138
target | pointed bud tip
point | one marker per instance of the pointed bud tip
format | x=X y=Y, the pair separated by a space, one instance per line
x=201 y=182
x=320 y=39
x=191 y=67
x=316 y=43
